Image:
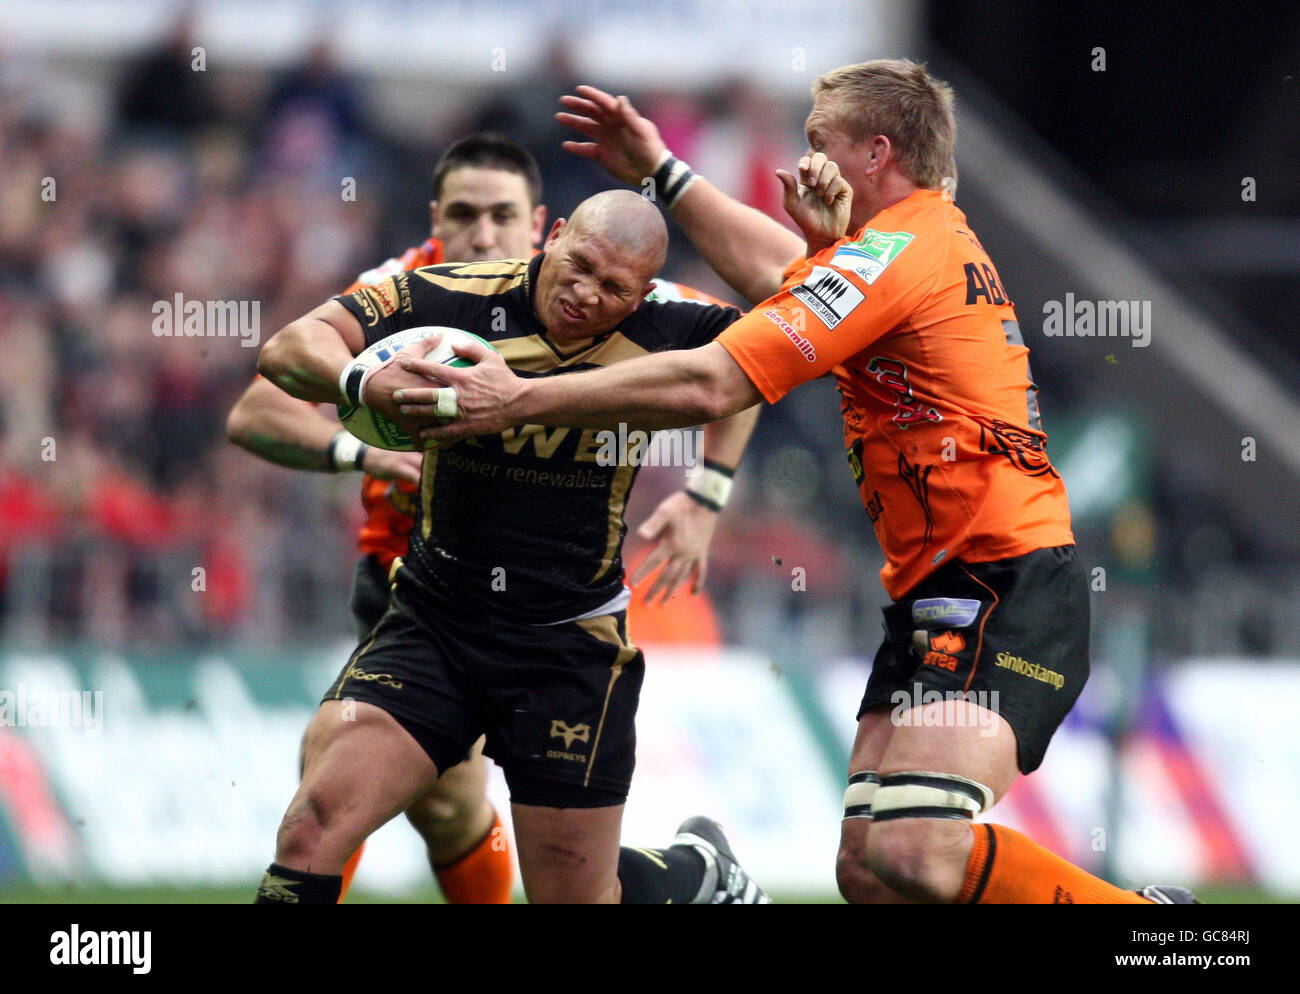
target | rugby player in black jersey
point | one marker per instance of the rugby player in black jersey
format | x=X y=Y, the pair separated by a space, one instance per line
x=508 y=616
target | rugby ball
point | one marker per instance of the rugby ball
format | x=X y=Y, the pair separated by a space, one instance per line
x=374 y=428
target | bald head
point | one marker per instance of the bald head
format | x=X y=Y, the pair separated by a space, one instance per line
x=628 y=223
x=599 y=265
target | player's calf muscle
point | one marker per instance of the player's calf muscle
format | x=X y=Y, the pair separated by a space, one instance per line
x=857 y=884
x=451 y=824
x=919 y=858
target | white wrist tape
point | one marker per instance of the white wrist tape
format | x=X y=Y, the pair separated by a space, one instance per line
x=346 y=451
x=711 y=486
x=353 y=379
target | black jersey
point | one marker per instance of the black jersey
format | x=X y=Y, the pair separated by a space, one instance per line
x=528 y=523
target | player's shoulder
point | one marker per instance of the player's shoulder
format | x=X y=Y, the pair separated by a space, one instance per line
x=478 y=270
x=913 y=236
x=477 y=279
x=677 y=316
x=672 y=303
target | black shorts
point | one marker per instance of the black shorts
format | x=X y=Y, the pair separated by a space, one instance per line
x=370 y=590
x=556 y=702
x=1011 y=635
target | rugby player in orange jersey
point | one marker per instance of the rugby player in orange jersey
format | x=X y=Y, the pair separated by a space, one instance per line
x=986 y=644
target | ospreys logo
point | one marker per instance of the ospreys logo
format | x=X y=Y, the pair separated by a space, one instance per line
x=570 y=733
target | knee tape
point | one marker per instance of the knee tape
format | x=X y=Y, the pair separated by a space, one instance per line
x=928 y=795
x=860 y=792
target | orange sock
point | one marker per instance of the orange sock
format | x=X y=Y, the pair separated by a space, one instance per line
x=1006 y=867
x=483 y=875
x=350 y=871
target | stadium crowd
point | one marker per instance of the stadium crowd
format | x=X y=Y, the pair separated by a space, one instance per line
x=129 y=520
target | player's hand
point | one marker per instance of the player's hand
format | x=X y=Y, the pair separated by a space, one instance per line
x=389 y=465
x=391 y=377
x=625 y=143
x=483 y=393
x=819 y=200
x=681 y=529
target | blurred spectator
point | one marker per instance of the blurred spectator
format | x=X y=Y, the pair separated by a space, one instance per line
x=164 y=89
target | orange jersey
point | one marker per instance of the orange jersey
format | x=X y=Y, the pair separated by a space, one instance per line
x=684 y=619
x=941 y=423
x=429 y=253
x=390 y=504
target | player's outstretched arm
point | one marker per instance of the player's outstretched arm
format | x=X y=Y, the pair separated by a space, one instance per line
x=682 y=526
x=281 y=429
x=665 y=390
x=744 y=246
x=297 y=434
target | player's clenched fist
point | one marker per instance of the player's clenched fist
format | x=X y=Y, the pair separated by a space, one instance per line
x=625 y=143
x=819 y=200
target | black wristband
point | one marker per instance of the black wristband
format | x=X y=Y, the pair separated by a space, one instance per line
x=671 y=179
